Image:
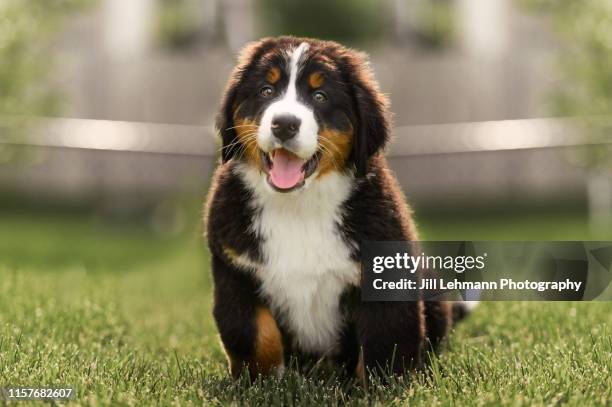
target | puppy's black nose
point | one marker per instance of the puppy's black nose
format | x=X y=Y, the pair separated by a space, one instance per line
x=285 y=126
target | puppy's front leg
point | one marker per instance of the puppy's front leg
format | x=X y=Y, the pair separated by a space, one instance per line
x=390 y=335
x=248 y=330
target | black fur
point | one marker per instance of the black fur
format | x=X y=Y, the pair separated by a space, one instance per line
x=391 y=335
x=372 y=132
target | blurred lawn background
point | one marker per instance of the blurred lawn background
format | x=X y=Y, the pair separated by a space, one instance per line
x=104 y=283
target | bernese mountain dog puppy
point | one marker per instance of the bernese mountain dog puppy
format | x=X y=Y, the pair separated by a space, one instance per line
x=302 y=183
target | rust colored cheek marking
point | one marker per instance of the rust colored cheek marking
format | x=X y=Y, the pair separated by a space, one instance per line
x=335 y=149
x=246 y=130
x=315 y=80
x=273 y=75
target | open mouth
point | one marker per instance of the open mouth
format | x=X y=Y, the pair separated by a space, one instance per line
x=286 y=171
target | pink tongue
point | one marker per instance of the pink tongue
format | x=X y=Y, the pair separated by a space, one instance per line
x=286 y=169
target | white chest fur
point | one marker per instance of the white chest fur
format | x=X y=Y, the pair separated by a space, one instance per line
x=307 y=263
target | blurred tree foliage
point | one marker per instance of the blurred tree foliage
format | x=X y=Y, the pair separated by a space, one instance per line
x=348 y=21
x=436 y=26
x=584 y=29
x=177 y=25
x=26 y=28
x=26 y=33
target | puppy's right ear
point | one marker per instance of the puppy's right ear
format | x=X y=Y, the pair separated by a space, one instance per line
x=247 y=59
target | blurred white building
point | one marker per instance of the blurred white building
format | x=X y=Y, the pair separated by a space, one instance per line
x=497 y=68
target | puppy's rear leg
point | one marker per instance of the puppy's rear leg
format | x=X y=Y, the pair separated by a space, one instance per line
x=390 y=335
x=438 y=320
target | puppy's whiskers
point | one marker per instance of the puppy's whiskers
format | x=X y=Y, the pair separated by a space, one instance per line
x=242 y=125
x=248 y=141
x=325 y=145
x=327 y=153
x=244 y=140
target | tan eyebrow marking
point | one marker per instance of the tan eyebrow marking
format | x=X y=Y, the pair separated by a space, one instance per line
x=315 y=80
x=273 y=75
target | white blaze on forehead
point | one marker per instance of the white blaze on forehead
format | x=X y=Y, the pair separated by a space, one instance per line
x=305 y=143
x=295 y=59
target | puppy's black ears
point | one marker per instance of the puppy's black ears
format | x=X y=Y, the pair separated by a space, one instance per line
x=372 y=115
x=224 y=124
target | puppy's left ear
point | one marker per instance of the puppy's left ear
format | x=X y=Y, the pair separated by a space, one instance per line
x=372 y=114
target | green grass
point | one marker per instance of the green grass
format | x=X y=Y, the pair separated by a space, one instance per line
x=125 y=316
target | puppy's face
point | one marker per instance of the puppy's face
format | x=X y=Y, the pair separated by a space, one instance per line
x=297 y=109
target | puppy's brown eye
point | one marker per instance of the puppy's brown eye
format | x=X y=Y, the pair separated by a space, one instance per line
x=266 y=91
x=319 y=97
